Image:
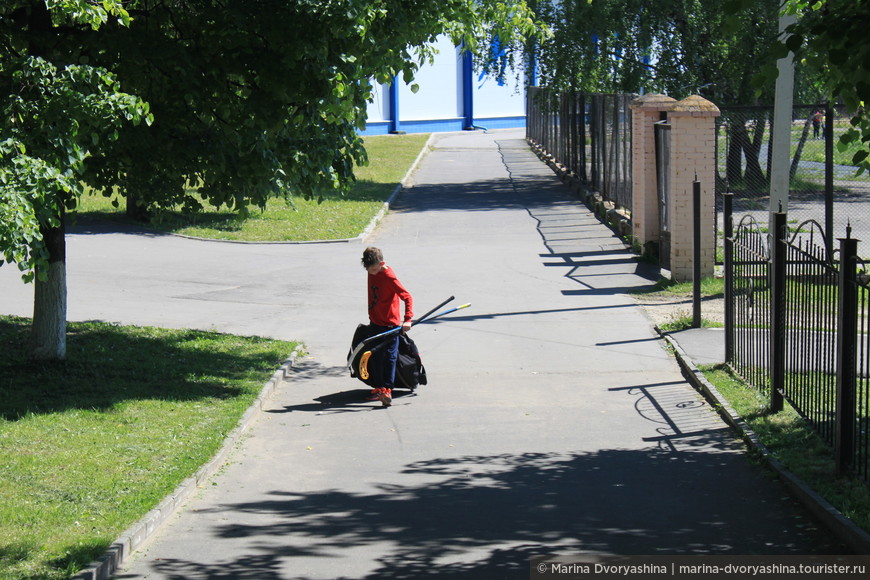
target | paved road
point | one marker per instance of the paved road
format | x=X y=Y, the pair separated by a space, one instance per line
x=554 y=421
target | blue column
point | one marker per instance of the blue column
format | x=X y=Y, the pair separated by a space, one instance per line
x=395 y=123
x=467 y=90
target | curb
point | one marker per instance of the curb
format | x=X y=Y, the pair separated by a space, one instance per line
x=841 y=526
x=402 y=185
x=136 y=535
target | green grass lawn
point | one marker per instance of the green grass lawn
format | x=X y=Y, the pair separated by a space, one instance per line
x=334 y=217
x=90 y=445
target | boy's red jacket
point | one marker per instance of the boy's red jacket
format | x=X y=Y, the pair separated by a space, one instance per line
x=385 y=291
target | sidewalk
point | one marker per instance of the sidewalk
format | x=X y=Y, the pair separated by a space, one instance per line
x=554 y=421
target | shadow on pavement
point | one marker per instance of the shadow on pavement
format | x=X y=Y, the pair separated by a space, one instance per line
x=485 y=516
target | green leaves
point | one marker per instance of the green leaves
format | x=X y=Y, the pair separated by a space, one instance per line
x=91 y=13
x=50 y=120
x=832 y=42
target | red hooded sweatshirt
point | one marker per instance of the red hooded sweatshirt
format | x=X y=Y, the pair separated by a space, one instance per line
x=385 y=291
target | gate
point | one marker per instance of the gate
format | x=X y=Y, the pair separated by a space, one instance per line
x=663 y=186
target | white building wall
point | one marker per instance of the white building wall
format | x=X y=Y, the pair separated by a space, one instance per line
x=379 y=108
x=492 y=99
x=440 y=92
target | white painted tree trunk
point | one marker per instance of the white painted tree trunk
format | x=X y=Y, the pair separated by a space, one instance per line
x=48 y=333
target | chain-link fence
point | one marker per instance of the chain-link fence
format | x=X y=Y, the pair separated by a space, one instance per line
x=823 y=182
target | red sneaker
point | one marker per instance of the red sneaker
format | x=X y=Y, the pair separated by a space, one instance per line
x=386 y=397
x=375 y=395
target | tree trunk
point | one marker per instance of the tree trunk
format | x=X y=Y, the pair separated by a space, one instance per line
x=799 y=150
x=752 y=150
x=135 y=210
x=48 y=333
x=734 y=160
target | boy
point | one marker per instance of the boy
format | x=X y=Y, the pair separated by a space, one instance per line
x=384 y=293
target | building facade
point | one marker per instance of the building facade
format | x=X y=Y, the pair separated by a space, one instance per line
x=451 y=97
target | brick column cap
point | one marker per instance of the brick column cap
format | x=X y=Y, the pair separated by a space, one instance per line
x=653 y=102
x=696 y=106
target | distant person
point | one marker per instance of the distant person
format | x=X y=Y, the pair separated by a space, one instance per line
x=384 y=294
x=817 y=123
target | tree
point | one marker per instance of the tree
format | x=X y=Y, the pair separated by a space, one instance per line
x=676 y=47
x=249 y=98
x=51 y=114
x=830 y=40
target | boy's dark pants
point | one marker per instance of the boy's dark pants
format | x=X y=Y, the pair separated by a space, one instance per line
x=389 y=358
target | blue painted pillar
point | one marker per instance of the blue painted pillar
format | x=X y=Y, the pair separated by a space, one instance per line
x=395 y=123
x=532 y=81
x=467 y=90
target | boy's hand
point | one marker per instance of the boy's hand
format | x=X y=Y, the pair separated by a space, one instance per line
x=406 y=326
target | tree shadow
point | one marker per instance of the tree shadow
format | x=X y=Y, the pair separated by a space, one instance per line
x=485 y=516
x=107 y=364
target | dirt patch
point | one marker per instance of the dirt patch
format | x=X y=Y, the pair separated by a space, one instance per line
x=663 y=309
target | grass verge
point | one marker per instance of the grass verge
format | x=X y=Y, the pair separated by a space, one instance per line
x=332 y=218
x=90 y=445
x=794 y=443
x=711 y=287
x=679 y=323
x=671 y=291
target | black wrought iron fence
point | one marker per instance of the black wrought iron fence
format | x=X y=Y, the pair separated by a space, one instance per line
x=798 y=327
x=861 y=435
x=748 y=303
x=810 y=341
x=587 y=134
x=823 y=182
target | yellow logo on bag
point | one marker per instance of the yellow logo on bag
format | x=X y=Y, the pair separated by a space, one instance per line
x=364 y=365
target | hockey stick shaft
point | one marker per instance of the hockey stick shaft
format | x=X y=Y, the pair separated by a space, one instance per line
x=425 y=316
x=448 y=311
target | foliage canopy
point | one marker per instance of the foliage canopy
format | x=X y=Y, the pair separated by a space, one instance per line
x=830 y=39
x=675 y=47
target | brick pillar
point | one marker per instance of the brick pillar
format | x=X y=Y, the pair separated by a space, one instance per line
x=645 y=111
x=693 y=150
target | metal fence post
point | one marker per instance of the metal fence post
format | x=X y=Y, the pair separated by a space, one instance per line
x=583 y=173
x=696 y=254
x=777 y=289
x=829 y=181
x=728 y=200
x=847 y=346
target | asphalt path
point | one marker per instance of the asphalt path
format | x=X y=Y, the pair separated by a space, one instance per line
x=555 y=421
